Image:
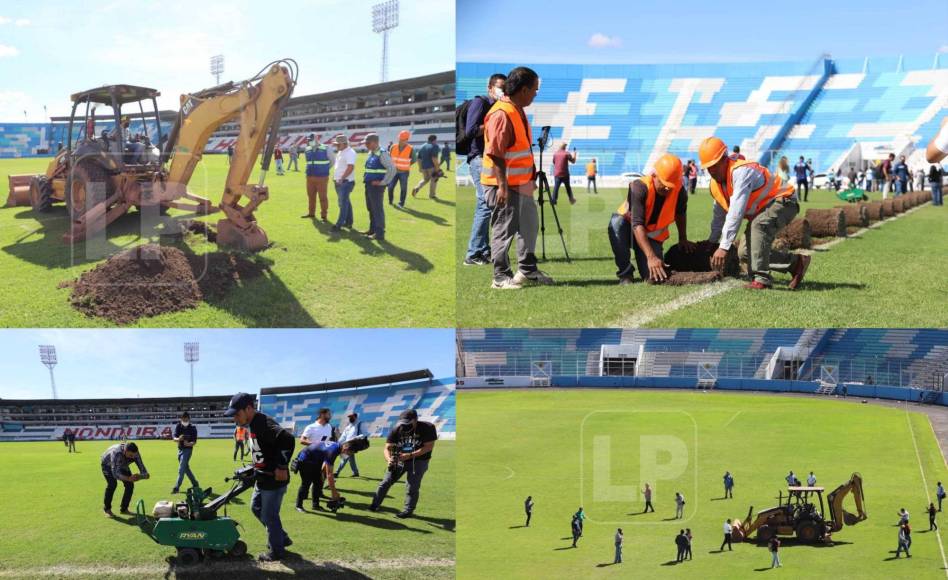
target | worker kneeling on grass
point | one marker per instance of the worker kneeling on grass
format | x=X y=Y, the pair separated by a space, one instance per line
x=641 y=223
x=315 y=462
x=745 y=189
x=115 y=467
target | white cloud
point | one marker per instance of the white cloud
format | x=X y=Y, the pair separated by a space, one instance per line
x=4 y=20
x=943 y=48
x=22 y=22
x=7 y=50
x=600 y=40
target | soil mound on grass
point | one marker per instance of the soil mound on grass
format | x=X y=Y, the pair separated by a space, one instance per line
x=695 y=268
x=150 y=280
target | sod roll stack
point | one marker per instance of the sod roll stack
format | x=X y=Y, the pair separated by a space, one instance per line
x=827 y=223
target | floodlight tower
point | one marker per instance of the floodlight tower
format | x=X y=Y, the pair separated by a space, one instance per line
x=217 y=66
x=192 y=354
x=48 y=358
x=385 y=18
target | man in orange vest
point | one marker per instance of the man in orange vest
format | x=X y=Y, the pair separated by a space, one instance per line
x=591 y=171
x=642 y=221
x=509 y=180
x=403 y=155
x=745 y=189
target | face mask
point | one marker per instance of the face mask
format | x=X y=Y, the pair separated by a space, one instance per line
x=185 y=423
x=497 y=93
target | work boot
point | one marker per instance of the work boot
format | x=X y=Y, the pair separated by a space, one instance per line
x=803 y=263
x=125 y=511
x=299 y=508
x=755 y=285
x=174 y=490
x=626 y=280
x=374 y=507
x=404 y=514
x=539 y=277
x=108 y=513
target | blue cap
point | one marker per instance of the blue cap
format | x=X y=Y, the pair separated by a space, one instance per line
x=238 y=402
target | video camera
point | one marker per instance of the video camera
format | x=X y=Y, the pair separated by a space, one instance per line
x=544 y=139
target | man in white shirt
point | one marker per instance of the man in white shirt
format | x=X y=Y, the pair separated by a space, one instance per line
x=679 y=505
x=344 y=179
x=352 y=430
x=811 y=480
x=321 y=430
x=727 y=537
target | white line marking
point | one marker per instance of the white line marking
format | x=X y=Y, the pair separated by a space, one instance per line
x=512 y=473
x=925 y=483
x=640 y=319
x=732 y=419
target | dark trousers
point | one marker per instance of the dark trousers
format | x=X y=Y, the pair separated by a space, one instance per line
x=310 y=476
x=806 y=189
x=692 y=185
x=624 y=245
x=688 y=551
x=414 y=471
x=110 y=485
x=931 y=523
x=557 y=182
x=941 y=497
x=728 y=492
x=576 y=536
x=401 y=180
x=238 y=446
x=727 y=540
x=529 y=515
x=681 y=554
x=648 y=506
x=591 y=181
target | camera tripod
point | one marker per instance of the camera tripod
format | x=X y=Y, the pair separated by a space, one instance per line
x=543 y=185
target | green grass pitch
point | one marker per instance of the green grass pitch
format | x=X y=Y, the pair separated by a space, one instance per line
x=54 y=524
x=596 y=448
x=890 y=276
x=316 y=279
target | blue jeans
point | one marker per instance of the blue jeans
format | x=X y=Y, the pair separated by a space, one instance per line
x=618 y=559
x=374 y=195
x=901 y=186
x=401 y=179
x=343 y=191
x=937 y=194
x=480 y=229
x=265 y=505
x=624 y=246
x=184 y=459
x=351 y=461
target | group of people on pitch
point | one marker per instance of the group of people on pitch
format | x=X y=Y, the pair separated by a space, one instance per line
x=407 y=451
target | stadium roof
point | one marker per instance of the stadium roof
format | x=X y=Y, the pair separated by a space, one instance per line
x=337 y=385
x=146 y=400
x=389 y=87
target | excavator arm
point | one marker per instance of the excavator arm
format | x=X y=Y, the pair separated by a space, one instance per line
x=840 y=517
x=257 y=104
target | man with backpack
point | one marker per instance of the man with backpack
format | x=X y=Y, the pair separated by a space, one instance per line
x=469 y=123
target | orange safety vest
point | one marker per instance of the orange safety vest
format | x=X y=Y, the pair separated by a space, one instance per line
x=401 y=157
x=590 y=169
x=758 y=199
x=240 y=434
x=659 y=230
x=519 y=158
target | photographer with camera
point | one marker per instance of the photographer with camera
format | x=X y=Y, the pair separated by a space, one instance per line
x=641 y=223
x=185 y=435
x=315 y=462
x=271 y=447
x=407 y=451
x=508 y=177
x=115 y=467
x=429 y=165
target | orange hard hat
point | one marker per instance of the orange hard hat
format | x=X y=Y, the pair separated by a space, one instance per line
x=711 y=151
x=668 y=171
x=404 y=135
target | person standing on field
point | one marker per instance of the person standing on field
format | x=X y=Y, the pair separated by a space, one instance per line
x=528 y=508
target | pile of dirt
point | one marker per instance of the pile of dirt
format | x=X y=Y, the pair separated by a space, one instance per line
x=827 y=223
x=856 y=214
x=874 y=211
x=700 y=260
x=795 y=236
x=150 y=280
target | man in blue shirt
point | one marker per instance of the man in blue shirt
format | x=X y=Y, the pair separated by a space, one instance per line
x=428 y=163
x=185 y=435
x=478 y=248
x=800 y=171
x=901 y=171
x=317 y=458
x=318 y=162
x=446 y=157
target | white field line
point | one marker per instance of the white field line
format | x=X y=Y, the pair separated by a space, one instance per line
x=928 y=494
x=640 y=319
x=219 y=568
x=512 y=473
x=731 y=420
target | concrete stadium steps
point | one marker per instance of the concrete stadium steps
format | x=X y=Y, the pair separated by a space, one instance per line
x=891 y=356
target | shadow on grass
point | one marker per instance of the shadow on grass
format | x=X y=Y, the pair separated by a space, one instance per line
x=810 y=285
x=444 y=202
x=565 y=548
x=516 y=527
x=367 y=520
x=412 y=260
x=435 y=219
x=671 y=563
x=246 y=567
x=606 y=565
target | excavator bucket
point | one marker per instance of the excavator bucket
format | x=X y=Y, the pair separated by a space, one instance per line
x=251 y=239
x=19 y=193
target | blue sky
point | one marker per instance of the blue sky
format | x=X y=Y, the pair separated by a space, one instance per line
x=620 y=31
x=53 y=48
x=150 y=363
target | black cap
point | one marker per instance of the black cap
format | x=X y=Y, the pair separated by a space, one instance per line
x=238 y=402
x=407 y=416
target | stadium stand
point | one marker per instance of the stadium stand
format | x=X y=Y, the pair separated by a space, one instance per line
x=888 y=357
x=834 y=112
x=377 y=400
x=422 y=105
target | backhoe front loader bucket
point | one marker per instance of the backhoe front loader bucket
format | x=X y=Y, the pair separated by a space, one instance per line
x=249 y=239
x=19 y=193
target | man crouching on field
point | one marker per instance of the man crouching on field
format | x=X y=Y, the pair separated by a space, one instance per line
x=745 y=189
x=115 y=467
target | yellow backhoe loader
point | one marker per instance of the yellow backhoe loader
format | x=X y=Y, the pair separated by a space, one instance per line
x=800 y=515
x=100 y=177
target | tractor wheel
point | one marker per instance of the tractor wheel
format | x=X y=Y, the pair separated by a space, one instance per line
x=188 y=556
x=41 y=194
x=764 y=534
x=88 y=184
x=239 y=549
x=808 y=532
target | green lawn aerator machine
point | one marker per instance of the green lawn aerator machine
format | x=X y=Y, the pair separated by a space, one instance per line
x=852 y=195
x=193 y=527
